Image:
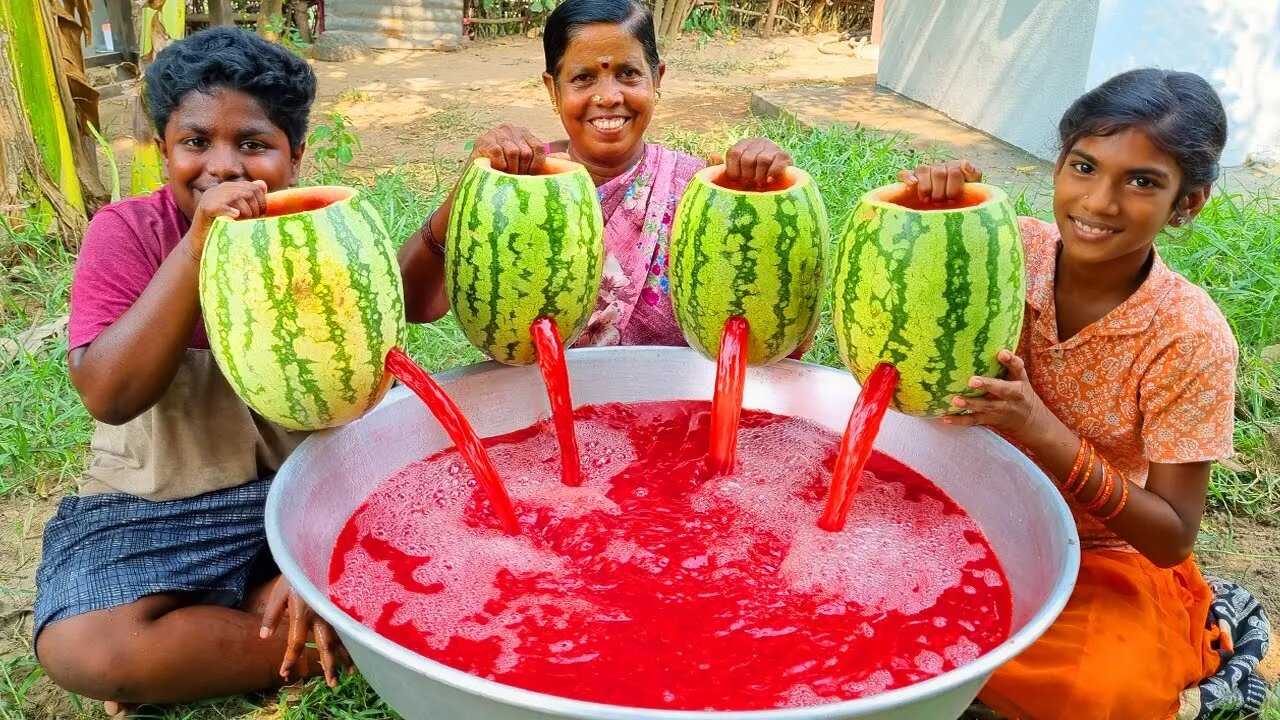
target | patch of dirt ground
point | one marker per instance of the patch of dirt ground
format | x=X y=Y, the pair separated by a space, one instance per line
x=422 y=107
x=1248 y=552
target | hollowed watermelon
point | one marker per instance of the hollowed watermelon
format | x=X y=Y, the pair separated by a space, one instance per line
x=302 y=305
x=520 y=248
x=756 y=254
x=936 y=289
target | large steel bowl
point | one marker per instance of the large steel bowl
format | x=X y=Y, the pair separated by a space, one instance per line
x=324 y=481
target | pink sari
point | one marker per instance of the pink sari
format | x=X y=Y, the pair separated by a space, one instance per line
x=634 y=305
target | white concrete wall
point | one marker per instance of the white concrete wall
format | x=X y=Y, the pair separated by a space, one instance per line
x=1234 y=44
x=395 y=23
x=1011 y=67
x=1007 y=67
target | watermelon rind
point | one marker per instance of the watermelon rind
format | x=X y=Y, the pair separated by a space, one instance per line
x=758 y=255
x=520 y=248
x=938 y=293
x=301 y=308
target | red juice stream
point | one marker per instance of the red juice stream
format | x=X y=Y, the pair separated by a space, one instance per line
x=855 y=448
x=726 y=404
x=460 y=432
x=656 y=584
x=546 y=339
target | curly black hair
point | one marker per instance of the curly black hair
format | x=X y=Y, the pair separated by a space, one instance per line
x=231 y=58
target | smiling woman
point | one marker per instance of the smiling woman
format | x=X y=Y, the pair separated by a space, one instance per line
x=603 y=76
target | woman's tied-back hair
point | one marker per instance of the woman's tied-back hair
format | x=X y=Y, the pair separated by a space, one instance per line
x=230 y=58
x=1179 y=111
x=635 y=18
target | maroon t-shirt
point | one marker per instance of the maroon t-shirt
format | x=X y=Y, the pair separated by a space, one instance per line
x=122 y=250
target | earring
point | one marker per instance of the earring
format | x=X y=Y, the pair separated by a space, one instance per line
x=657 y=99
x=555 y=107
x=1179 y=221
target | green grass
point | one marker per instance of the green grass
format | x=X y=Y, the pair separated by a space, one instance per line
x=1231 y=250
x=17 y=677
x=43 y=426
x=44 y=429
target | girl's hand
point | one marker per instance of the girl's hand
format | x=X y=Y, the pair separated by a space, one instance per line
x=941 y=181
x=511 y=149
x=302 y=623
x=754 y=162
x=1010 y=406
x=236 y=199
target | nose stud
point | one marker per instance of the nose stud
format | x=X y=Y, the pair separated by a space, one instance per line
x=596 y=99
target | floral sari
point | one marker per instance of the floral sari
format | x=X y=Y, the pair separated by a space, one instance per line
x=634 y=305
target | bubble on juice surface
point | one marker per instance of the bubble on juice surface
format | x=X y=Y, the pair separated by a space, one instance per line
x=893 y=554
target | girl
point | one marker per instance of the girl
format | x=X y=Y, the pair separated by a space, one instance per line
x=1122 y=389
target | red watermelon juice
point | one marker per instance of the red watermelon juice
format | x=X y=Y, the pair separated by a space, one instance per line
x=659 y=583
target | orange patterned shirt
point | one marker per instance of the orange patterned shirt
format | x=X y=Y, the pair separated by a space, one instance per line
x=1151 y=381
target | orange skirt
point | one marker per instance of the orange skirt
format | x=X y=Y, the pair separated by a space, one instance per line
x=1130 y=639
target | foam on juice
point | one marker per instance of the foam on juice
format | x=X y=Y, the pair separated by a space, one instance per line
x=713 y=592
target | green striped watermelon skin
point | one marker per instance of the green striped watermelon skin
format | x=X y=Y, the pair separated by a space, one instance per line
x=937 y=293
x=520 y=248
x=760 y=255
x=301 y=308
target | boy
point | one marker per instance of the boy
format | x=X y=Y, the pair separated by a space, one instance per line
x=156 y=584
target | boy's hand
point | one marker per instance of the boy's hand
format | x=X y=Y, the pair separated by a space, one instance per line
x=510 y=149
x=1011 y=406
x=302 y=623
x=941 y=181
x=754 y=162
x=237 y=200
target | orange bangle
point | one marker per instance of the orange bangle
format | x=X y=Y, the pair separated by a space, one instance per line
x=1124 y=499
x=1104 y=493
x=1079 y=483
x=1075 y=469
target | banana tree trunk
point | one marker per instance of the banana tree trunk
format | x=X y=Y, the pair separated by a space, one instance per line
x=660 y=10
x=38 y=183
x=158 y=23
x=68 y=23
x=770 y=18
x=301 y=20
x=31 y=62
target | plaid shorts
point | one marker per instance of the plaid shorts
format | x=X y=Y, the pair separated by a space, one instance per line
x=104 y=551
